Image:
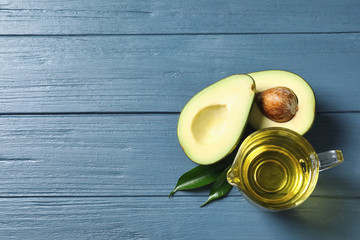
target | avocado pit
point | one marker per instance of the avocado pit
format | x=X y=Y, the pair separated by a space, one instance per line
x=279 y=104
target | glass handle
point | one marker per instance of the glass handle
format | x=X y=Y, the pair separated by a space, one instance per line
x=330 y=159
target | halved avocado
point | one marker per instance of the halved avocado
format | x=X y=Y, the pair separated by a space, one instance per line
x=283 y=99
x=212 y=122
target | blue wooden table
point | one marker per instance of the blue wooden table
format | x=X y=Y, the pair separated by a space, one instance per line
x=90 y=96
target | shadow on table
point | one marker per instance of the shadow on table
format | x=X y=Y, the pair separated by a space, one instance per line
x=323 y=216
x=326 y=133
x=332 y=210
x=331 y=133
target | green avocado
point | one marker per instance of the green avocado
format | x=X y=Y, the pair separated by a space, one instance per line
x=283 y=99
x=212 y=122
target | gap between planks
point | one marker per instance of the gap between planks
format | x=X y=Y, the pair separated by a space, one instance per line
x=127 y=113
x=175 y=34
x=163 y=196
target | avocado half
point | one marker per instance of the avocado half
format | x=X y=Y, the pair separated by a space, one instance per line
x=304 y=115
x=212 y=122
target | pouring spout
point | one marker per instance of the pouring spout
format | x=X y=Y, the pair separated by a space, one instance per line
x=232 y=176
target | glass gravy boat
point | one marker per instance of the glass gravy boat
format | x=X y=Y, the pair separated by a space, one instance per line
x=277 y=168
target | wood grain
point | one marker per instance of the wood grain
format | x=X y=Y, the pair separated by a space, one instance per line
x=176 y=17
x=134 y=155
x=161 y=73
x=90 y=94
x=179 y=218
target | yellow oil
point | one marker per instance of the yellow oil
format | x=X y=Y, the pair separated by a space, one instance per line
x=277 y=170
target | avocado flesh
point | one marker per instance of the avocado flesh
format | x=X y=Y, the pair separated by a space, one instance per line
x=304 y=117
x=212 y=122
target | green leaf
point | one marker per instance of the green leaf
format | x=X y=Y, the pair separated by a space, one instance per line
x=199 y=176
x=220 y=187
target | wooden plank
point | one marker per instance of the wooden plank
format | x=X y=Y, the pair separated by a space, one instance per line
x=180 y=218
x=161 y=73
x=134 y=155
x=161 y=16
